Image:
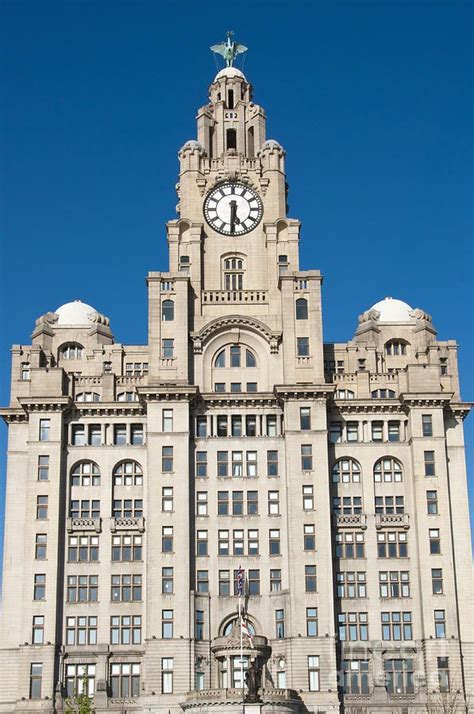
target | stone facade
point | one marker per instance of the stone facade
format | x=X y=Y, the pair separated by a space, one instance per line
x=141 y=477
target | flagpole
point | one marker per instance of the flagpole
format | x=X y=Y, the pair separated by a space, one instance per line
x=241 y=653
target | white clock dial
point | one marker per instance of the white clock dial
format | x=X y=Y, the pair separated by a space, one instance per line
x=233 y=209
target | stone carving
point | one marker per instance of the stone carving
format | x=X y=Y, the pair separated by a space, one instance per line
x=420 y=314
x=49 y=318
x=369 y=315
x=253 y=680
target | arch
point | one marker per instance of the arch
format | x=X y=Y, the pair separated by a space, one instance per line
x=85 y=473
x=346 y=470
x=388 y=469
x=396 y=347
x=228 y=322
x=71 y=350
x=228 y=623
x=301 y=309
x=88 y=397
x=127 y=472
x=383 y=394
x=167 y=310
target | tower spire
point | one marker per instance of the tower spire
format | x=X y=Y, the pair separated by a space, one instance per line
x=229 y=49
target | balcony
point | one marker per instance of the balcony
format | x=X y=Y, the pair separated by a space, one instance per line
x=392 y=520
x=350 y=521
x=253 y=297
x=127 y=523
x=84 y=524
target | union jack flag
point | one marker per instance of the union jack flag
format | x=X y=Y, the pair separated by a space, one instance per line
x=246 y=631
x=240 y=581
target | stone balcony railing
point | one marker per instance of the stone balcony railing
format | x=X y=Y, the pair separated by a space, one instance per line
x=94 y=381
x=127 y=523
x=84 y=524
x=254 y=297
x=358 y=520
x=198 y=697
x=392 y=520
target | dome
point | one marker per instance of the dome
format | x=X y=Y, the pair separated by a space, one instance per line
x=192 y=144
x=230 y=73
x=75 y=313
x=392 y=310
x=272 y=144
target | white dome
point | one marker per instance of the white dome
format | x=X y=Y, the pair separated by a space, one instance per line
x=75 y=313
x=230 y=73
x=392 y=310
x=272 y=144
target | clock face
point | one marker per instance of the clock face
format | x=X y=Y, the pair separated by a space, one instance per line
x=233 y=209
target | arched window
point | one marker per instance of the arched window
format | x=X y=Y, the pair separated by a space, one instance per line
x=387 y=470
x=128 y=473
x=167 y=310
x=227 y=629
x=250 y=360
x=88 y=397
x=396 y=347
x=346 y=471
x=344 y=394
x=301 y=309
x=233 y=273
x=234 y=358
x=85 y=473
x=127 y=397
x=73 y=350
x=220 y=359
x=383 y=394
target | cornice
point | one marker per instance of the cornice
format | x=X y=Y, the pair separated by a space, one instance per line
x=461 y=409
x=168 y=392
x=228 y=399
x=304 y=391
x=432 y=399
x=367 y=406
x=45 y=404
x=109 y=408
x=227 y=322
x=12 y=415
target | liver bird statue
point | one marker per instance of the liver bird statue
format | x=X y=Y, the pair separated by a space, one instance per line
x=229 y=49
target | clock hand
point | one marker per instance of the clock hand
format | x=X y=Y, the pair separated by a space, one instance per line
x=233 y=216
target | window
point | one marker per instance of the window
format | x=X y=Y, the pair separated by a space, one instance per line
x=75 y=676
x=443 y=365
x=41 y=508
x=251 y=425
x=394 y=431
x=201 y=544
x=389 y=504
x=167 y=539
x=95 y=435
x=383 y=394
x=237 y=464
x=353 y=626
x=347 y=505
x=252 y=503
x=44 y=429
x=394 y=583
x=443 y=674
x=233 y=273
x=350 y=545
x=202 y=581
x=236 y=425
x=126 y=588
x=427 y=424
x=83 y=549
x=38 y=630
x=282 y=264
x=136 y=434
x=346 y=471
x=302 y=346
x=305 y=418
x=127 y=397
x=167 y=624
x=201 y=426
x=308 y=498
x=125 y=679
x=306 y=457
x=274 y=541
x=387 y=471
x=351 y=584
x=128 y=473
x=309 y=538
x=432 y=502
x=437 y=581
x=429 y=463
x=254 y=582
x=126 y=548
x=238 y=542
x=311 y=621
x=301 y=309
x=236 y=388
x=344 y=393
x=392 y=545
x=224 y=583
x=395 y=347
x=84 y=509
x=272 y=463
x=223 y=542
x=335 y=432
x=377 y=431
x=220 y=359
x=281 y=679
x=435 y=541
x=201 y=503
x=71 y=351
x=167 y=310
x=279 y=624
x=36 y=679
x=167 y=348
x=120 y=434
x=271 y=425
x=313 y=673
x=81 y=630
x=25 y=371
x=43 y=468
x=82 y=588
x=399 y=676
x=275 y=580
x=252 y=542
x=39 y=588
x=440 y=624
x=251 y=464
x=219 y=387
x=231 y=138
x=352 y=431
x=273 y=503
x=396 y=626
x=310 y=578
x=167 y=664
x=125 y=630
x=88 y=397
x=222 y=425
x=251 y=386
x=127 y=508
x=355 y=674
x=235 y=356
x=167 y=417
x=199 y=625
x=201 y=464
x=167 y=581
x=40 y=546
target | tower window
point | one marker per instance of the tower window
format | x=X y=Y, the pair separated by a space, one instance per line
x=251 y=142
x=230 y=99
x=231 y=136
x=167 y=311
x=233 y=273
x=301 y=309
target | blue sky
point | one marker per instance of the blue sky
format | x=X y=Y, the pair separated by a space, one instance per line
x=373 y=102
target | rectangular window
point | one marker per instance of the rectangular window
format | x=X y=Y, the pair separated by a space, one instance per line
x=271 y=425
x=272 y=463
x=167 y=665
x=275 y=580
x=222 y=464
x=167 y=580
x=167 y=465
x=396 y=626
x=224 y=583
x=167 y=499
x=222 y=425
x=120 y=434
x=311 y=622
x=313 y=673
x=302 y=346
x=167 y=420
x=237 y=464
x=435 y=541
x=377 y=431
x=201 y=426
x=309 y=537
x=236 y=387
x=82 y=588
x=78 y=435
x=126 y=588
x=40 y=546
x=252 y=503
x=440 y=624
x=39 y=588
x=250 y=425
x=44 y=429
x=350 y=545
x=394 y=583
x=202 y=581
x=223 y=542
x=335 y=432
x=251 y=386
x=43 y=468
x=429 y=457
x=306 y=457
x=201 y=544
x=351 y=584
x=125 y=629
x=36 y=680
x=347 y=505
x=167 y=624
x=389 y=504
x=437 y=581
x=199 y=625
x=399 y=676
x=38 y=630
x=219 y=387
x=83 y=549
x=279 y=624
x=352 y=431
x=201 y=464
x=353 y=626
x=41 y=508
x=201 y=503
x=427 y=424
x=394 y=431
x=25 y=371
x=81 y=630
x=75 y=676
x=237 y=503
x=392 y=545
x=308 y=498
x=274 y=541
x=305 y=418
x=443 y=674
x=281 y=679
x=236 y=425
x=310 y=578
x=432 y=502
x=251 y=464
x=252 y=541
x=238 y=542
x=167 y=348
x=124 y=508
x=273 y=503
x=254 y=582
x=127 y=548
x=136 y=434
x=167 y=539
x=125 y=679
x=355 y=674
x=222 y=503
x=95 y=435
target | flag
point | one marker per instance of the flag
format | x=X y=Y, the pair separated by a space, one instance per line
x=246 y=631
x=240 y=581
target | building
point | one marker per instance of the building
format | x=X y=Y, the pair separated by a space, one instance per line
x=142 y=477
